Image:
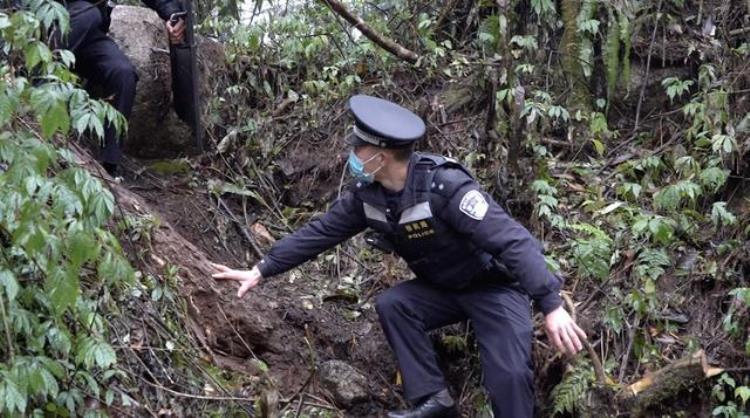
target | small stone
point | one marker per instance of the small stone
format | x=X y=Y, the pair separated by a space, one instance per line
x=347 y=385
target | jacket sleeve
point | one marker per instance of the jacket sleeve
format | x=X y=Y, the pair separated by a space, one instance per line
x=344 y=219
x=165 y=8
x=474 y=213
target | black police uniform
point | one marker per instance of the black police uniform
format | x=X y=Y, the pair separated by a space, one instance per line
x=455 y=238
x=100 y=60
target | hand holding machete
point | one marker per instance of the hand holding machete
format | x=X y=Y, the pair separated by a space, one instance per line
x=176 y=28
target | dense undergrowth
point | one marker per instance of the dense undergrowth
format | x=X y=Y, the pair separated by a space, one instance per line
x=79 y=323
x=618 y=131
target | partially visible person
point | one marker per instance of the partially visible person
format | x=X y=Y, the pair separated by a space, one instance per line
x=470 y=260
x=99 y=60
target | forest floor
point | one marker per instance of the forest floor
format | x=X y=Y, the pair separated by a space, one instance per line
x=294 y=323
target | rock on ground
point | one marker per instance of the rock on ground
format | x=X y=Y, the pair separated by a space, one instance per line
x=347 y=385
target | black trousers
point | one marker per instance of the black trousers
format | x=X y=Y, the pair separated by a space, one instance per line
x=99 y=60
x=501 y=317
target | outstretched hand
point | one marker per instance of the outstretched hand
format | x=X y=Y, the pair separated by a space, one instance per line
x=247 y=278
x=563 y=331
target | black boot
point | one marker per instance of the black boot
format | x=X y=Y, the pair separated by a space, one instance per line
x=112 y=169
x=439 y=405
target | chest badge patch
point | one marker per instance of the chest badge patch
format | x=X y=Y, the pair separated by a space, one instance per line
x=474 y=205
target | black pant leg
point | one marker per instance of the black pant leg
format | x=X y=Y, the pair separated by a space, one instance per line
x=406 y=313
x=501 y=317
x=102 y=62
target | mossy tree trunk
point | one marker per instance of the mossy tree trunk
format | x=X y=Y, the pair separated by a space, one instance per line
x=506 y=78
x=570 y=49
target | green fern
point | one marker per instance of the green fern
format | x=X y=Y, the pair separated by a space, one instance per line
x=594 y=230
x=568 y=395
x=455 y=343
x=652 y=263
x=489 y=31
x=592 y=256
x=587 y=29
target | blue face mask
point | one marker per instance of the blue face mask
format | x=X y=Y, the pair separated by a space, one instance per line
x=357 y=168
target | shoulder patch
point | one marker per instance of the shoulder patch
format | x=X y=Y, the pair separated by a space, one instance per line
x=474 y=205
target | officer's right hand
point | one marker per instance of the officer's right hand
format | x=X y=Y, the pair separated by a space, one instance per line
x=247 y=278
x=176 y=30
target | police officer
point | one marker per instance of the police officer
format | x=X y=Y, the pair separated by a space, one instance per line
x=471 y=261
x=100 y=60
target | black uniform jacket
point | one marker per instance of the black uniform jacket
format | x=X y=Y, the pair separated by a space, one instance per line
x=450 y=232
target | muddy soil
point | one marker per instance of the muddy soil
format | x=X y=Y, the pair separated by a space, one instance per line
x=293 y=322
x=323 y=310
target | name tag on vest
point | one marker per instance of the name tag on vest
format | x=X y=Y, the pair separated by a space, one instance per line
x=416 y=221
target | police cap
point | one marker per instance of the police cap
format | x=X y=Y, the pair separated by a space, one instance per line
x=383 y=123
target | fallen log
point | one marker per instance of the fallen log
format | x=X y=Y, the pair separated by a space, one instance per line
x=666 y=382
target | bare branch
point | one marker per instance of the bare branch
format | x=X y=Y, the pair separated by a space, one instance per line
x=384 y=42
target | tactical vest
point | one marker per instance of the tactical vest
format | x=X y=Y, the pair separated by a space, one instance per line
x=414 y=227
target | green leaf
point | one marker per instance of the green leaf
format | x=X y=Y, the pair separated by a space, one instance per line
x=67 y=57
x=649 y=287
x=742 y=393
x=42 y=382
x=8 y=105
x=220 y=187
x=50 y=383
x=82 y=248
x=591 y=26
x=60 y=341
x=12 y=396
x=543 y=187
x=63 y=289
x=91 y=352
x=84 y=350
x=598 y=146
x=661 y=230
x=102 y=206
x=53 y=367
x=668 y=198
x=37 y=52
x=629 y=190
x=676 y=87
x=542 y=6
x=50 y=106
x=9 y=282
x=109 y=397
x=723 y=143
x=687 y=165
x=104 y=355
x=52 y=12
x=65 y=201
x=91 y=384
x=115 y=269
x=713 y=178
x=720 y=216
x=526 y=42
x=85 y=117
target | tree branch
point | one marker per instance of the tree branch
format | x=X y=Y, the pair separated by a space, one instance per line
x=384 y=42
